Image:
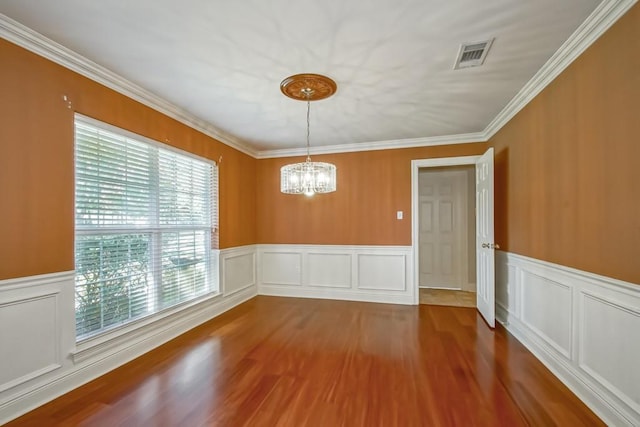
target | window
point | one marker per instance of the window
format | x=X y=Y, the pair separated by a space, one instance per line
x=145 y=214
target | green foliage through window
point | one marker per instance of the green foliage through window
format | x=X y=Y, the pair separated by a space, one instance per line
x=144 y=217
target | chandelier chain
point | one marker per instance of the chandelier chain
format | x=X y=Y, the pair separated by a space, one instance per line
x=308 y=145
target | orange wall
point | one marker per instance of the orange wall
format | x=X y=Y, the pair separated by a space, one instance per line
x=567 y=169
x=371 y=187
x=37 y=170
x=568 y=165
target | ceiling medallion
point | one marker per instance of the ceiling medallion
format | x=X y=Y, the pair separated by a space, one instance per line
x=308 y=177
x=308 y=87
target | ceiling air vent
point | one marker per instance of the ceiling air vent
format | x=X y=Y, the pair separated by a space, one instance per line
x=472 y=54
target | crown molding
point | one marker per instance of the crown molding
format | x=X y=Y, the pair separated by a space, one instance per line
x=35 y=42
x=600 y=20
x=603 y=17
x=391 y=144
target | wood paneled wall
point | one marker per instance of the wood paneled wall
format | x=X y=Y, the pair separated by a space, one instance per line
x=568 y=165
x=372 y=187
x=37 y=166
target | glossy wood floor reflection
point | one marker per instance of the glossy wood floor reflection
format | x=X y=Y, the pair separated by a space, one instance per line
x=298 y=362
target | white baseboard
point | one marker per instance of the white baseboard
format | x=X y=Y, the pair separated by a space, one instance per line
x=585 y=328
x=277 y=291
x=356 y=273
x=41 y=370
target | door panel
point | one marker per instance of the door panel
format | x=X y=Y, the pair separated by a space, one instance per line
x=446 y=259
x=446 y=217
x=442 y=229
x=485 y=254
x=426 y=259
x=426 y=217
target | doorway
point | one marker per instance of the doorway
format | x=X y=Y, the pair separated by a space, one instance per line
x=484 y=226
x=446 y=235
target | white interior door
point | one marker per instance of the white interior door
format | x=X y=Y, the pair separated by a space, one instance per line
x=485 y=246
x=442 y=229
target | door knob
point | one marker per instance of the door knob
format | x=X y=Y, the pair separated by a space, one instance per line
x=490 y=246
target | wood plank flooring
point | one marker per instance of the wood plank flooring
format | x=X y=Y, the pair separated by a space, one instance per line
x=303 y=362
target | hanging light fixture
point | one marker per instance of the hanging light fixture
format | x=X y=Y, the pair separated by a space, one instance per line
x=308 y=177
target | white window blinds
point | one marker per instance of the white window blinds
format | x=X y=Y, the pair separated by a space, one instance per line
x=145 y=215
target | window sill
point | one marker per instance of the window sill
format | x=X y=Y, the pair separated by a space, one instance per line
x=119 y=338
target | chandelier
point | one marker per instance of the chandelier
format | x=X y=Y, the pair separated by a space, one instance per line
x=308 y=177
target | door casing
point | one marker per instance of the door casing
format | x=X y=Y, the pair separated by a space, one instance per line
x=415 y=228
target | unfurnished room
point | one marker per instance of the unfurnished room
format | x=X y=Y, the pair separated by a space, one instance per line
x=319 y=213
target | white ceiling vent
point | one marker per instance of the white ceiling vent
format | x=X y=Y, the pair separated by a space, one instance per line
x=472 y=54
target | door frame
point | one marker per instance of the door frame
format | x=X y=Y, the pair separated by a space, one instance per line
x=415 y=202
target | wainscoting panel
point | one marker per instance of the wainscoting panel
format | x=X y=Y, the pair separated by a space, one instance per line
x=506 y=295
x=329 y=270
x=281 y=268
x=585 y=328
x=37 y=331
x=604 y=349
x=238 y=269
x=546 y=309
x=382 y=272
x=30 y=339
x=357 y=273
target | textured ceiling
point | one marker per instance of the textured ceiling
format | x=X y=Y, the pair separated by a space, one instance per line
x=223 y=60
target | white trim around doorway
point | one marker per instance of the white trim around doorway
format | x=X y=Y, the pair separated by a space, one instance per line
x=415 y=167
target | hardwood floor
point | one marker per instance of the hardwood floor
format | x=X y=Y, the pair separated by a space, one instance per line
x=302 y=362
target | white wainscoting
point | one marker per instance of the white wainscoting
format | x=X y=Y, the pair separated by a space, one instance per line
x=357 y=273
x=585 y=328
x=39 y=358
x=238 y=269
x=33 y=315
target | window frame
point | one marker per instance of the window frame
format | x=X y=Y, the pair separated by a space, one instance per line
x=156 y=232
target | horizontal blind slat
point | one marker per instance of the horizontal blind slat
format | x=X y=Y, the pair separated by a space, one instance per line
x=123 y=183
